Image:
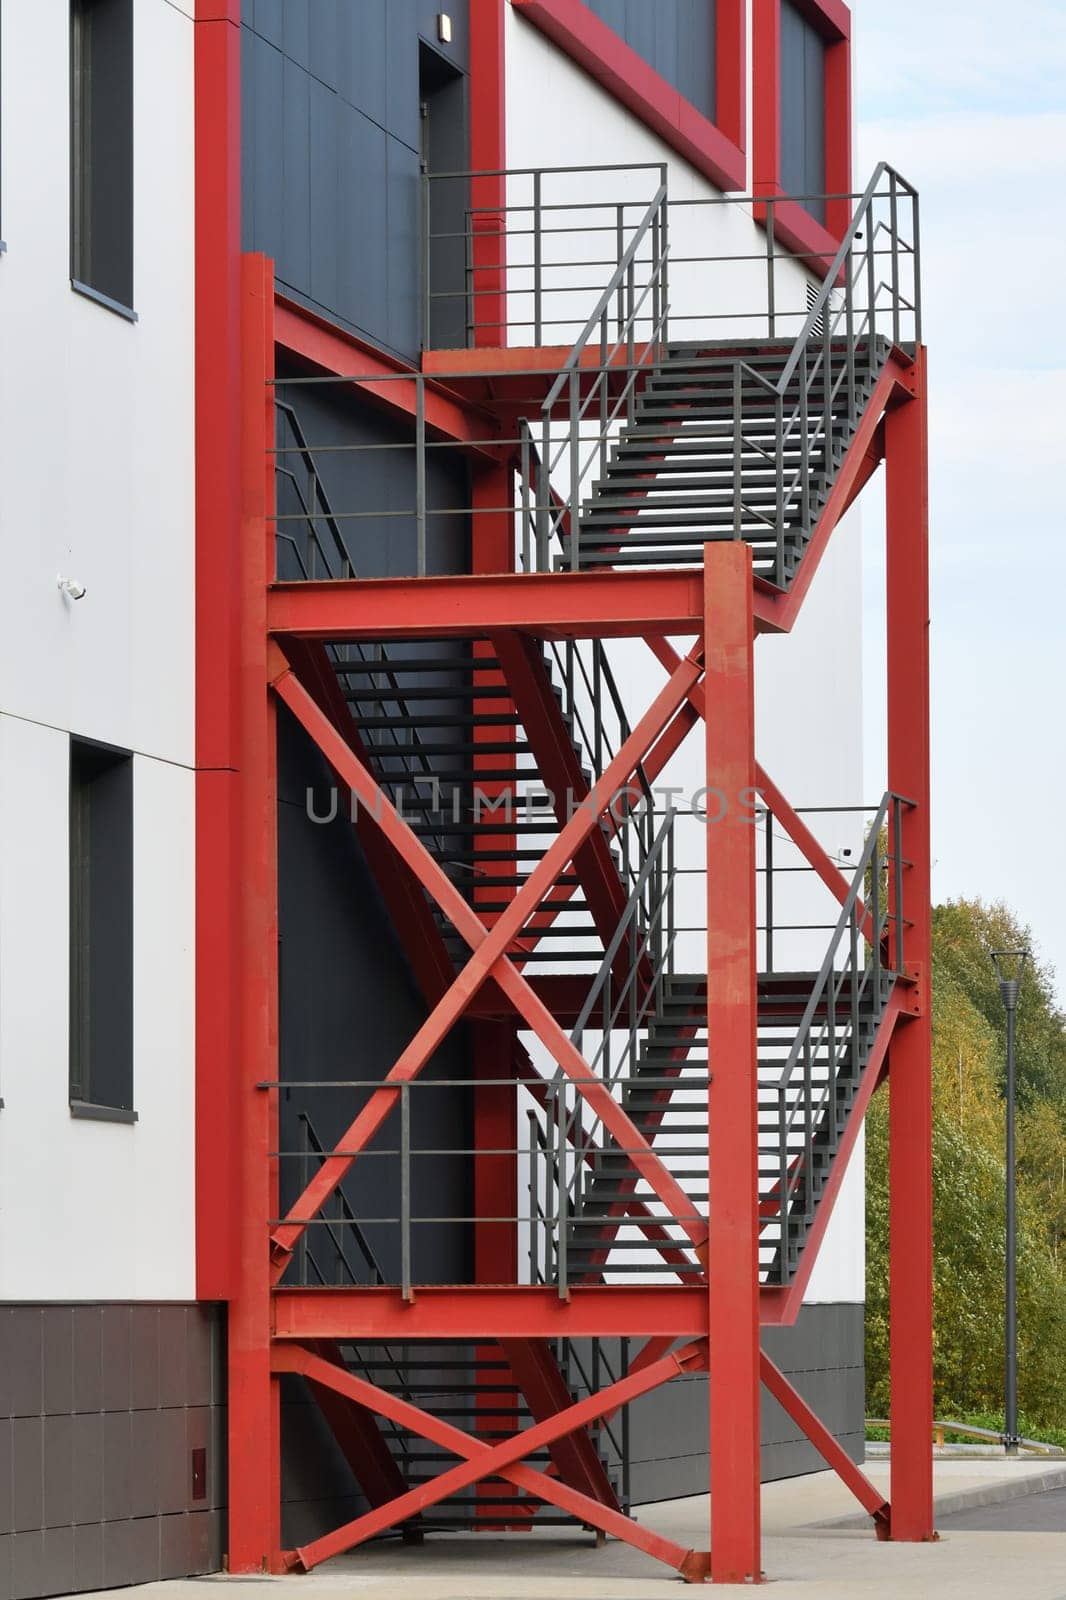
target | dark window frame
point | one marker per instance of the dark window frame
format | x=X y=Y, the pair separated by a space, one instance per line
x=100 y=1095
x=101 y=141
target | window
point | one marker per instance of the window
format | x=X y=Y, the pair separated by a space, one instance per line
x=802 y=110
x=101 y=150
x=676 y=37
x=101 y=931
x=802 y=123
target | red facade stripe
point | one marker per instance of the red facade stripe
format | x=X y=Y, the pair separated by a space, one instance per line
x=716 y=151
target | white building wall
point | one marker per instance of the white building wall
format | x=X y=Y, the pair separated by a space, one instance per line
x=808 y=684
x=96 y=478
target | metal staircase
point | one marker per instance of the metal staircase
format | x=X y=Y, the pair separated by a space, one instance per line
x=704 y=457
x=691 y=442
x=816 y=1031
x=476 y=1388
x=444 y=740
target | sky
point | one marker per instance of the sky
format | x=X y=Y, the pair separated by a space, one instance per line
x=969 y=103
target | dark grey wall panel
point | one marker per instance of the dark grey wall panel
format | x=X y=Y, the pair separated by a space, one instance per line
x=375 y=484
x=101 y=1407
x=676 y=37
x=348 y=1008
x=822 y=1355
x=331 y=150
x=802 y=108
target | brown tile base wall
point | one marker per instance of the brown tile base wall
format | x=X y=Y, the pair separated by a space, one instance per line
x=102 y=1408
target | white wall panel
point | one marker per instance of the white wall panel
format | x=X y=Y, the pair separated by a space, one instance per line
x=96 y=413
x=96 y=482
x=92 y=1210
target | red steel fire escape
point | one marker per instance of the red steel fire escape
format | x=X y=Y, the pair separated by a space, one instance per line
x=656 y=1138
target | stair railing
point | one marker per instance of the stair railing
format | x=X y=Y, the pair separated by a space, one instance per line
x=613 y=323
x=834 y=359
x=339 y=1229
x=542 y=1159
x=611 y=1442
x=572 y=1146
x=863 y=958
x=315 y=509
x=592 y=701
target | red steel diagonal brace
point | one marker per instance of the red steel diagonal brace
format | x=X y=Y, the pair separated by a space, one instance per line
x=831 y=1452
x=479 y=1460
x=489 y=957
x=407 y=905
x=800 y=834
x=559 y=768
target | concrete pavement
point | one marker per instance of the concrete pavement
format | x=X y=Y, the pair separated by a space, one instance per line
x=803 y=1556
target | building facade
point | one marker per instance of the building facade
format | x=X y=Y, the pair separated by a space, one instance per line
x=414 y=363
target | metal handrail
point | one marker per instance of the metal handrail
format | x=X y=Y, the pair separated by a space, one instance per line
x=805 y=1112
x=847 y=917
x=601 y=983
x=819 y=330
x=852 y=234
x=347 y=1217
x=416 y=765
x=628 y=257
x=944 y=1425
x=570 y=659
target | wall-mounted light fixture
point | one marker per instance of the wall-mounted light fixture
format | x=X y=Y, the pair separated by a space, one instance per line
x=444 y=27
x=70 y=587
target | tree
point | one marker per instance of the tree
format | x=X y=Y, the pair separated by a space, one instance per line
x=968 y=1181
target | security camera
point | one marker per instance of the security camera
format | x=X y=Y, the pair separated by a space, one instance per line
x=70 y=587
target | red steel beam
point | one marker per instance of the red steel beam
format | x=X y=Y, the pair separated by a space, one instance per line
x=732 y=1098
x=488 y=958
x=872 y=459
x=554 y=605
x=831 y=1452
x=909 y=1062
x=484 y=1311
x=479 y=1460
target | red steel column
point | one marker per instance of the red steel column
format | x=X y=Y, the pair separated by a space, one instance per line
x=495 y=1110
x=492 y=1042
x=910 y=1073
x=218 y=591
x=488 y=154
x=733 y=1242
x=254 y=1419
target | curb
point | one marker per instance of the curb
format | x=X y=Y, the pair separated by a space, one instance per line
x=991 y=1494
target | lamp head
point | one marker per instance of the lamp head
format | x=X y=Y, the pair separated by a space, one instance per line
x=1009 y=965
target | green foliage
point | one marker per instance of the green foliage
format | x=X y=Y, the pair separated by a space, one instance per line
x=968 y=1184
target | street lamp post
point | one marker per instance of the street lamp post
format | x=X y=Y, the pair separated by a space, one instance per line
x=1009 y=965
